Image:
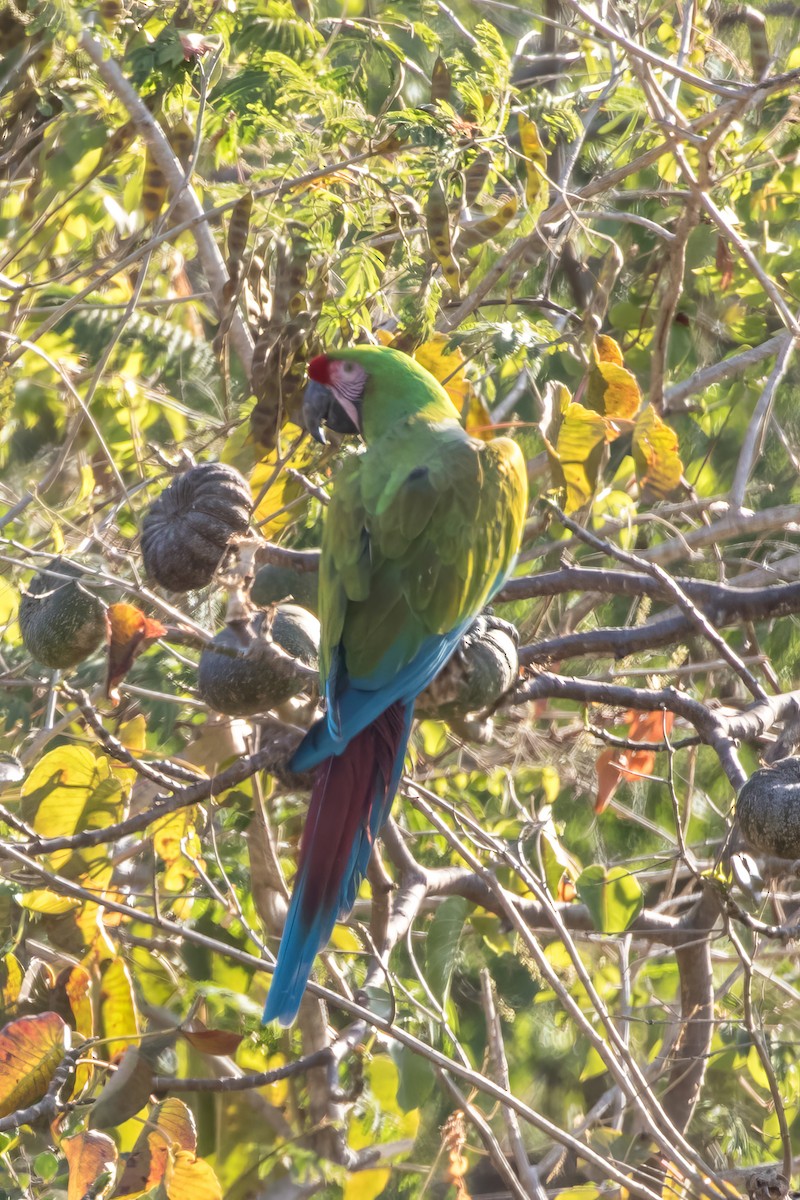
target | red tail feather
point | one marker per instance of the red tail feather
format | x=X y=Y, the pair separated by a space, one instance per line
x=340 y=811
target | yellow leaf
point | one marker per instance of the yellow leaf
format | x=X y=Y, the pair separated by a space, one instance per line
x=117 y=1008
x=188 y=1177
x=366 y=1185
x=655 y=453
x=606 y=349
x=42 y=900
x=71 y=789
x=11 y=977
x=447 y=366
x=174 y=836
x=612 y=390
x=133 y=735
x=89 y=1156
x=240 y=450
x=30 y=1051
x=9 y=603
x=576 y=457
x=274 y=489
x=535 y=160
x=71 y=996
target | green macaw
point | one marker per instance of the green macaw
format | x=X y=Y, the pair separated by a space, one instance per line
x=422 y=529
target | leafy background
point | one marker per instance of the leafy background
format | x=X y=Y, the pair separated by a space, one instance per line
x=584 y=219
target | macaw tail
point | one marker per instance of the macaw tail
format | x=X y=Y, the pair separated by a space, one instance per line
x=350 y=802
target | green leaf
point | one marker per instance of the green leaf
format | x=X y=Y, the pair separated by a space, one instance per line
x=417 y=1079
x=441 y=946
x=612 y=896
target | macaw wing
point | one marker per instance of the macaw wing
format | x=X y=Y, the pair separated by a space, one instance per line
x=411 y=554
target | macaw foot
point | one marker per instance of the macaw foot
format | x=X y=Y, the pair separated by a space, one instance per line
x=488 y=621
x=483 y=668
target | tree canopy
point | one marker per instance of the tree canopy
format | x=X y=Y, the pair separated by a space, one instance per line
x=572 y=969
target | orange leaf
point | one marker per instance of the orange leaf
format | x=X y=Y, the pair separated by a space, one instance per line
x=615 y=765
x=566 y=891
x=211 y=1041
x=171 y=1123
x=724 y=262
x=130 y=631
x=30 y=1051
x=71 y=999
x=88 y=1155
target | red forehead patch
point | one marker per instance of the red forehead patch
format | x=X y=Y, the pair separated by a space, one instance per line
x=319 y=369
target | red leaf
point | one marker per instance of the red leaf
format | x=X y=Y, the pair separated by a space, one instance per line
x=615 y=765
x=130 y=631
x=724 y=264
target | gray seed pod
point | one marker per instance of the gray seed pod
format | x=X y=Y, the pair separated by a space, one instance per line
x=61 y=622
x=768 y=809
x=241 y=672
x=189 y=527
x=482 y=669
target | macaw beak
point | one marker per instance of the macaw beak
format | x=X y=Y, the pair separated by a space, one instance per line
x=320 y=407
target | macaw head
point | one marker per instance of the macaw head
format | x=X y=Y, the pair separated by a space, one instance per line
x=367 y=389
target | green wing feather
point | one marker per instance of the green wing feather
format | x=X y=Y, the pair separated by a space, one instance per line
x=420 y=529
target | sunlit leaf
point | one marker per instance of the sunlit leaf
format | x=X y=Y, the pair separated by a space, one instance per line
x=170 y=1124
x=276 y=492
x=90 y=1155
x=612 y=895
x=130 y=633
x=68 y=790
x=11 y=975
x=31 y=1049
x=176 y=843
x=577 y=454
x=655 y=453
x=446 y=365
x=612 y=390
x=535 y=161
x=118 y=1014
x=188 y=1177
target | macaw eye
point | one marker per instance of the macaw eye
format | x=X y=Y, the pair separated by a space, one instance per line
x=348 y=368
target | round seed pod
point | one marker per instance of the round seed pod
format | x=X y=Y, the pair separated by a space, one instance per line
x=482 y=669
x=241 y=672
x=768 y=809
x=273 y=583
x=189 y=527
x=61 y=622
